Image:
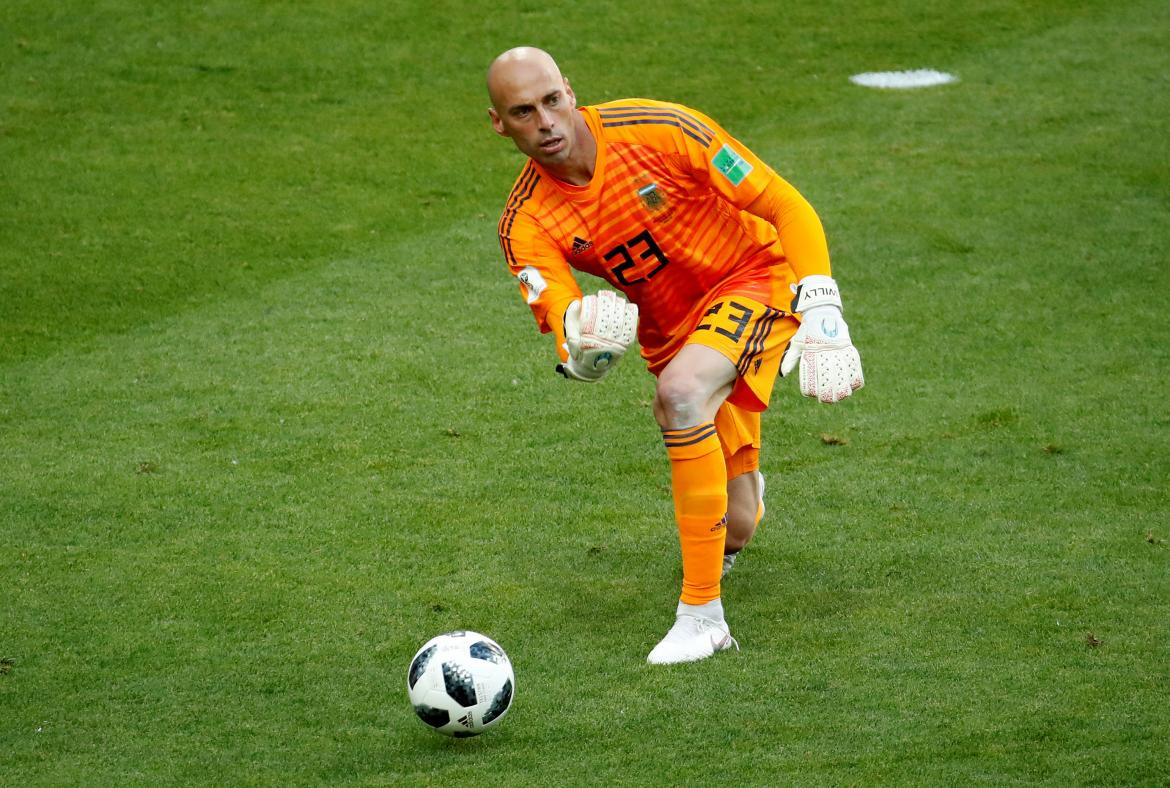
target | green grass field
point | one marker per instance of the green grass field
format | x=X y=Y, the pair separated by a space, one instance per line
x=272 y=414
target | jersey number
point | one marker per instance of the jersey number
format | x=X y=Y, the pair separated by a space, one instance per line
x=737 y=315
x=650 y=252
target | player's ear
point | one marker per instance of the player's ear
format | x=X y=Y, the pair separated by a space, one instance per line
x=497 y=122
x=569 y=92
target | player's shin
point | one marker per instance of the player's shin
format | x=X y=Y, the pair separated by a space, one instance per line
x=698 y=477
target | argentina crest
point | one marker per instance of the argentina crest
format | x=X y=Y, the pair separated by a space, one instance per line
x=652 y=197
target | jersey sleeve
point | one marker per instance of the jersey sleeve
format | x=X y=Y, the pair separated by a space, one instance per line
x=715 y=157
x=545 y=280
x=798 y=226
x=718 y=159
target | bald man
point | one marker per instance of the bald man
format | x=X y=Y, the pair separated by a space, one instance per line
x=725 y=274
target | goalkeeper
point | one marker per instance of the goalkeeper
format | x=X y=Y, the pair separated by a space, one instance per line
x=726 y=271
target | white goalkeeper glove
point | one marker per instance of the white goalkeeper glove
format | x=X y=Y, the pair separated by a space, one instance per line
x=598 y=329
x=830 y=368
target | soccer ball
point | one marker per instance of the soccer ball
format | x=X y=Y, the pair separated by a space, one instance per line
x=460 y=683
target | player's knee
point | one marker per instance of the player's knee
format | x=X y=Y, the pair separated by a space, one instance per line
x=679 y=402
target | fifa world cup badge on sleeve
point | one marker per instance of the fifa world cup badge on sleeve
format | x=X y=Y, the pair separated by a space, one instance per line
x=731 y=165
x=533 y=282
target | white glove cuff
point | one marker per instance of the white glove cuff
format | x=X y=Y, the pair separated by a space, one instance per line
x=813 y=291
x=573 y=328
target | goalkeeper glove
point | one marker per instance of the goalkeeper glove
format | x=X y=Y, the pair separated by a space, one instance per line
x=598 y=329
x=830 y=367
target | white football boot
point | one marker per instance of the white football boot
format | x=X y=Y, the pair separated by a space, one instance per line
x=728 y=562
x=693 y=637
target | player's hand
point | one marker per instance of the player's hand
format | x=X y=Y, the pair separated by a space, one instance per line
x=598 y=330
x=830 y=367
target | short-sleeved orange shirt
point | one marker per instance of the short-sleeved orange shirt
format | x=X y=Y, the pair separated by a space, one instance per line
x=662 y=221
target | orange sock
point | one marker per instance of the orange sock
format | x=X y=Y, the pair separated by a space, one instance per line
x=698 y=478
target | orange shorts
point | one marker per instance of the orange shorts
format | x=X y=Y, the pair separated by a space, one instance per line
x=739 y=436
x=752 y=336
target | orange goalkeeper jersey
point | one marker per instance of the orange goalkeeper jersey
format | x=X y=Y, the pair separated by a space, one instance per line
x=662 y=220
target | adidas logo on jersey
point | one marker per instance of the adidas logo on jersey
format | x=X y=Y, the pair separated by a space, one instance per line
x=580 y=246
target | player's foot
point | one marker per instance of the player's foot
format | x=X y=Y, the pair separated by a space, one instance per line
x=690 y=639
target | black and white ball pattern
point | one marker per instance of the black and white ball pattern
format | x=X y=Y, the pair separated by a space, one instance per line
x=460 y=683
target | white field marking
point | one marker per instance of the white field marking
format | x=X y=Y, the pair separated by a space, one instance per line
x=901 y=80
